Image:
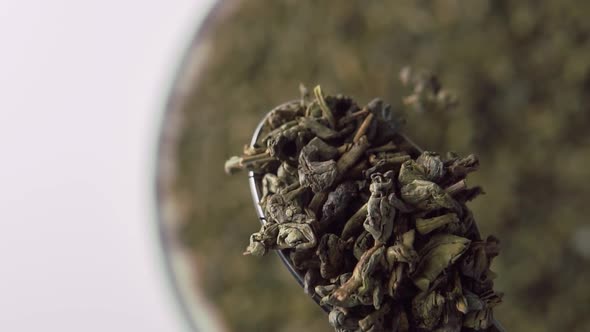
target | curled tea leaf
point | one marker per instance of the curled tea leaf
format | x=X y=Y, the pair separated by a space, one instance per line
x=428 y=95
x=410 y=171
x=479 y=320
x=427 y=309
x=375 y=321
x=296 y=236
x=281 y=115
x=285 y=144
x=340 y=321
x=357 y=290
x=318 y=129
x=350 y=157
x=458 y=167
x=363 y=242
x=476 y=262
x=263 y=240
x=380 y=211
x=311 y=278
x=425 y=226
x=386 y=124
x=428 y=196
x=327 y=112
x=401 y=259
x=316 y=168
x=331 y=254
x=281 y=210
x=433 y=165
x=270 y=184
x=441 y=251
x=338 y=201
x=287 y=173
x=354 y=224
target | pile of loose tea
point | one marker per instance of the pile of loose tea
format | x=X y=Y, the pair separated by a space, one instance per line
x=378 y=230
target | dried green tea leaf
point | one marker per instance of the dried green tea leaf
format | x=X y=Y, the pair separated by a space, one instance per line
x=458 y=167
x=318 y=129
x=425 y=226
x=270 y=184
x=441 y=251
x=355 y=222
x=287 y=173
x=479 y=320
x=263 y=240
x=331 y=254
x=281 y=210
x=386 y=124
x=338 y=201
x=428 y=95
x=401 y=259
x=319 y=175
x=354 y=291
x=380 y=211
x=339 y=320
x=427 y=309
x=364 y=242
x=375 y=321
x=350 y=157
x=433 y=165
x=428 y=196
x=410 y=171
x=296 y=236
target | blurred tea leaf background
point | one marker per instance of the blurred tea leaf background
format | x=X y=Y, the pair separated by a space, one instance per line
x=522 y=72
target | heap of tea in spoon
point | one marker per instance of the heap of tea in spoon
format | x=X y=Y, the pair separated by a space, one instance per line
x=376 y=228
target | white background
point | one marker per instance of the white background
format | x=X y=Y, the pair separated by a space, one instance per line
x=82 y=85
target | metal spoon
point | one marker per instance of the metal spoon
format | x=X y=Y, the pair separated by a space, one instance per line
x=255 y=181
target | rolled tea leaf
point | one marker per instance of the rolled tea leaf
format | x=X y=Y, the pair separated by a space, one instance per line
x=310 y=280
x=316 y=168
x=360 y=283
x=338 y=201
x=296 y=236
x=318 y=129
x=479 y=319
x=330 y=251
x=270 y=184
x=339 y=320
x=427 y=309
x=281 y=210
x=350 y=157
x=410 y=171
x=440 y=252
x=451 y=319
x=380 y=211
x=375 y=321
x=354 y=224
x=263 y=240
x=428 y=196
x=433 y=165
x=425 y=226
x=403 y=251
x=319 y=175
x=287 y=173
x=363 y=242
